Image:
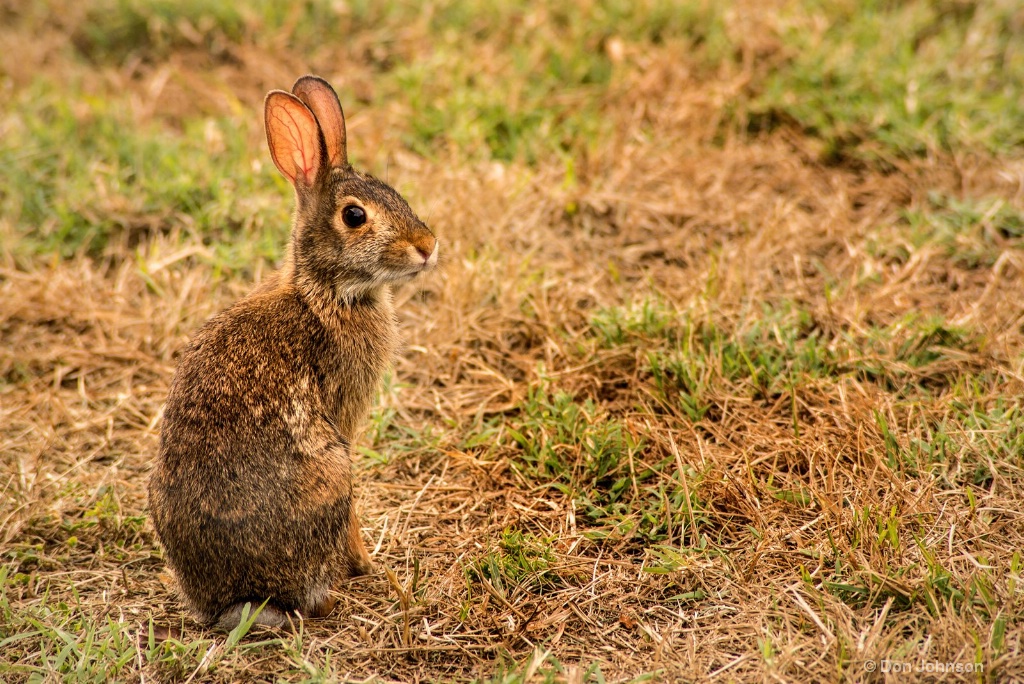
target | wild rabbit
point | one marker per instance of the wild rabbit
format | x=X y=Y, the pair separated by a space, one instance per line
x=252 y=492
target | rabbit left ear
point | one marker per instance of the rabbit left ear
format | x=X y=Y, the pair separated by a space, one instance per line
x=319 y=96
x=294 y=138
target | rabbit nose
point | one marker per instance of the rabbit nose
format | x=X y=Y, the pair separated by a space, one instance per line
x=427 y=250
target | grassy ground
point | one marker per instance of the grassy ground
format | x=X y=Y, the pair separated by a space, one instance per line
x=721 y=377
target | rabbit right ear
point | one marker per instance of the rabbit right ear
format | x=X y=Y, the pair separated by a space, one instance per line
x=319 y=96
x=294 y=138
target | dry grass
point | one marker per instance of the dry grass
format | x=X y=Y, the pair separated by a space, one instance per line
x=844 y=487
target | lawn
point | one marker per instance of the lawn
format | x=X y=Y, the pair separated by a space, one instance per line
x=721 y=376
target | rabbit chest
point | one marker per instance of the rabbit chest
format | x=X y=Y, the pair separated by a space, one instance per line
x=361 y=341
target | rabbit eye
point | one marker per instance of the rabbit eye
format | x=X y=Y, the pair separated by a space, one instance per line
x=353 y=216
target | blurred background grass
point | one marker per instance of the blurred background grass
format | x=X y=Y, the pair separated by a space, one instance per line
x=515 y=82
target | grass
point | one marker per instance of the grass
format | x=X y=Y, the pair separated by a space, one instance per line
x=124 y=185
x=720 y=380
x=880 y=80
x=557 y=53
x=972 y=234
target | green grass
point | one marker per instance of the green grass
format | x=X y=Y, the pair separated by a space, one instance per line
x=521 y=562
x=878 y=80
x=81 y=175
x=571 y=445
x=542 y=668
x=552 y=56
x=116 y=29
x=882 y=534
x=549 y=430
x=778 y=350
x=971 y=233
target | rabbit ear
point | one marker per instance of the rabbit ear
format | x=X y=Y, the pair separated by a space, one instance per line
x=294 y=138
x=319 y=96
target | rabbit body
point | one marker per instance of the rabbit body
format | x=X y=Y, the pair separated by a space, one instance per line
x=252 y=492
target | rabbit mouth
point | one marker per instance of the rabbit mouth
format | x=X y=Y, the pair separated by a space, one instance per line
x=386 y=274
x=407 y=274
x=409 y=271
x=399 y=274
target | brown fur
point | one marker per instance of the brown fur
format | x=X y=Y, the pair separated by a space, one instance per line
x=252 y=492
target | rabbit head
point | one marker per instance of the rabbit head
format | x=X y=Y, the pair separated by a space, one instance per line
x=353 y=233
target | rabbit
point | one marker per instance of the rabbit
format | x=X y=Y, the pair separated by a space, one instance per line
x=251 y=495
